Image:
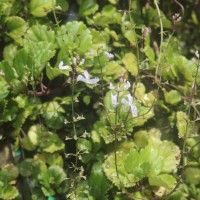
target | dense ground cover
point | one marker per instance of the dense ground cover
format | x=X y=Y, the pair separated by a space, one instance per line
x=99 y=99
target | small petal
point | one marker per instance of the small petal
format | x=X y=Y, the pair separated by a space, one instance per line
x=111 y=86
x=109 y=55
x=82 y=61
x=124 y=101
x=93 y=80
x=80 y=78
x=193 y=60
x=2 y=73
x=74 y=60
x=129 y=102
x=63 y=67
x=114 y=99
x=130 y=99
x=197 y=54
x=127 y=85
x=91 y=53
x=134 y=110
x=87 y=78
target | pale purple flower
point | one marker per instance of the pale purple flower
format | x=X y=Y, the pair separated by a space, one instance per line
x=62 y=66
x=109 y=55
x=87 y=79
x=111 y=86
x=114 y=100
x=129 y=102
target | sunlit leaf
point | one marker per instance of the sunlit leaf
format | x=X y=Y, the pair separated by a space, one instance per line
x=172 y=97
x=41 y=8
x=131 y=63
x=51 y=143
x=162 y=180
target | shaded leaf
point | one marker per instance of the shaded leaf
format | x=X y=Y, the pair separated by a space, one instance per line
x=88 y=7
x=16 y=26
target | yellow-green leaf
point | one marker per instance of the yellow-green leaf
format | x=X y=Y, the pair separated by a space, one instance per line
x=41 y=8
x=131 y=63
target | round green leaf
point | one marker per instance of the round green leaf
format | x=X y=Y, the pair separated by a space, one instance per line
x=88 y=7
x=16 y=26
x=51 y=143
x=8 y=192
x=4 y=89
x=131 y=63
x=41 y=8
x=162 y=180
x=98 y=182
x=172 y=97
x=35 y=133
x=192 y=175
x=74 y=36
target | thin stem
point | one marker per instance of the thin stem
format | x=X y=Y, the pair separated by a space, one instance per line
x=73 y=124
x=73 y=114
x=54 y=14
x=161 y=37
x=115 y=132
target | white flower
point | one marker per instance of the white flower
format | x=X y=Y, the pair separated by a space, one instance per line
x=197 y=54
x=82 y=61
x=193 y=60
x=114 y=99
x=146 y=31
x=109 y=55
x=91 y=53
x=127 y=85
x=63 y=67
x=129 y=102
x=176 y=18
x=74 y=60
x=2 y=73
x=87 y=79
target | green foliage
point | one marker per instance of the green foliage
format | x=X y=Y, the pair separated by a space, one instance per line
x=98 y=182
x=155 y=158
x=74 y=37
x=7 y=175
x=130 y=62
x=105 y=107
x=41 y=8
x=51 y=180
x=16 y=27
